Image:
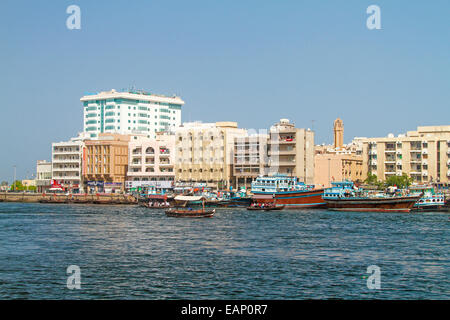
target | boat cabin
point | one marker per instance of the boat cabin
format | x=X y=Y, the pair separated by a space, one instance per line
x=278 y=183
x=339 y=189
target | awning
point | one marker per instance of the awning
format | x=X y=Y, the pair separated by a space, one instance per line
x=189 y=198
x=157 y=196
x=262 y=196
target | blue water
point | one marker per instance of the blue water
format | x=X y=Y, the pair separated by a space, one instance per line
x=128 y=252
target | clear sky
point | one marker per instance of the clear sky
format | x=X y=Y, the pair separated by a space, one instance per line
x=253 y=62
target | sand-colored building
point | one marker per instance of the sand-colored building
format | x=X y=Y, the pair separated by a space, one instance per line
x=249 y=159
x=152 y=162
x=291 y=151
x=204 y=153
x=423 y=154
x=339 y=161
x=330 y=167
x=105 y=163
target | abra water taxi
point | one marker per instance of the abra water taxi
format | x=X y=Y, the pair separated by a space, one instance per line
x=344 y=196
x=287 y=191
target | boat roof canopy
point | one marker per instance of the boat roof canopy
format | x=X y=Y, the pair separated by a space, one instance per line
x=262 y=196
x=157 y=196
x=189 y=198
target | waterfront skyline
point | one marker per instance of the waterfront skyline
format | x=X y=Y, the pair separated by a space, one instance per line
x=304 y=62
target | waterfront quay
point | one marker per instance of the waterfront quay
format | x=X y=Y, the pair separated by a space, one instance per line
x=67 y=198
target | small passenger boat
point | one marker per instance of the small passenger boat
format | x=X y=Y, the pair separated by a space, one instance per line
x=187 y=212
x=190 y=213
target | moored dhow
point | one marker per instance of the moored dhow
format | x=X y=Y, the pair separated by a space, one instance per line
x=287 y=191
x=344 y=196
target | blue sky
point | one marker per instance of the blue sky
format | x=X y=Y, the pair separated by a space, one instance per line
x=249 y=61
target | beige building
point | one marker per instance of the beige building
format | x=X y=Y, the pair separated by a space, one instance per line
x=291 y=151
x=152 y=162
x=105 y=163
x=339 y=161
x=249 y=159
x=29 y=183
x=330 y=167
x=423 y=154
x=204 y=153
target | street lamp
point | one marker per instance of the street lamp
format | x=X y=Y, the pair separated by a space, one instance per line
x=14 y=181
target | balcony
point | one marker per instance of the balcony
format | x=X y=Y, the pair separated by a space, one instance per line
x=282 y=152
x=373 y=152
x=389 y=160
x=399 y=163
x=65 y=152
x=398 y=152
x=283 y=141
x=373 y=162
x=424 y=162
x=66 y=160
x=398 y=173
x=425 y=173
x=282 y=163
x=56 y=177
x=389 y=151
x=424 y=151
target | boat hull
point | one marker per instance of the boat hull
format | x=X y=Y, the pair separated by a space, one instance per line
x=296 y=199
x=397 y=204
x=178 y=213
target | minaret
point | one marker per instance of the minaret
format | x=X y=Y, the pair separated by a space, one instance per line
x=338 y=133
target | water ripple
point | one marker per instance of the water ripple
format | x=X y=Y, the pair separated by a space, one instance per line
x=129 y=252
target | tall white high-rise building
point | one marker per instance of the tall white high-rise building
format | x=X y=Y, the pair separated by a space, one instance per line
x=130 y=112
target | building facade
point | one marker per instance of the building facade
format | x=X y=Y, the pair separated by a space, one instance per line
x=291 y=151
x=204 y=153
x=330 y=167
x=249 y=159
x=43 y=175
x=130 y=112
x=151 y=163
x=338 y=162
x=67 y=164
x=105 y=163
x=423 y=154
